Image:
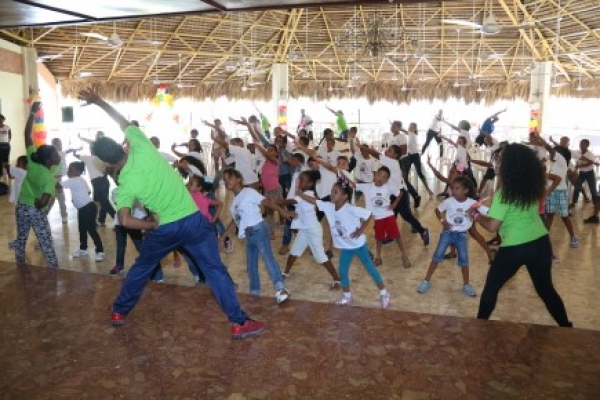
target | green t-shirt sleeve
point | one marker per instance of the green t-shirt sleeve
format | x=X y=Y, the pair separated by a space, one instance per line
x=499 y=209
x=124 y=197
x=136 y=136
x=49 y=185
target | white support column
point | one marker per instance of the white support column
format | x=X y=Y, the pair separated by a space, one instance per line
x=540 y=84
x=280 y=86
x=30 y=75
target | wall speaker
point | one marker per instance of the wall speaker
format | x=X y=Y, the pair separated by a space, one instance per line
x=67 y=114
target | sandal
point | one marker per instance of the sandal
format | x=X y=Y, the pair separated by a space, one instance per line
x=377 y=261
x=336 y=285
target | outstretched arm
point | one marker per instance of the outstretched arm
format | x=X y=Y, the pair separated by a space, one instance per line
x=498 y=113
x=333 y=111
x=541 y=142
x=217 y=139
x=177 y=153
x=451 y=126
x=371 y=151
x=29 y=125
x=452 y=142
x=437 y=173
x=92 y=97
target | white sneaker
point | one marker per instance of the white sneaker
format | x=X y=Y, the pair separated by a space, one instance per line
x=80 y=253
x=99 y=256
x=574 y=242
x=282 y=295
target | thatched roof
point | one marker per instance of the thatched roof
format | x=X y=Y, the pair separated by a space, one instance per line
x=222 y=53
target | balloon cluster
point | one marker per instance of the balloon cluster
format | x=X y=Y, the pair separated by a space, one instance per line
x=38 y=130
x=163 y=94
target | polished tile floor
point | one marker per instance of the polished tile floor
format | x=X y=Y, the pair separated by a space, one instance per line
x=57 y=343
x=577 y=276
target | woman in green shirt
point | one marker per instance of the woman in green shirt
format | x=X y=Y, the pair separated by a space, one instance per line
x=514 y=214
x=38 y=188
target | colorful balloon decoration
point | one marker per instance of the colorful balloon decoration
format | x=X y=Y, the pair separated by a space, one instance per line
x=163 y=95
x=38 y=130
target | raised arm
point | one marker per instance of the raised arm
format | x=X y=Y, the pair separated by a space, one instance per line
x=217 y=139
x=84 y=140
x=333 y=111
x=498 y=113
x=450 y=141
x=540 y=141
x=35 y=107
x=177 y=153
x=371 y=151
x=91 y=97
x=437 y=173
x=454 y=127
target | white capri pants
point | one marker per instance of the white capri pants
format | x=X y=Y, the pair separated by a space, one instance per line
x=313 y=238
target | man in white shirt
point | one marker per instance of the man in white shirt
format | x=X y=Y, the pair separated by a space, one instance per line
x=306 y=123
x=244 y=162
x=557 y=202
x=5 y=137
x=434 y=132
x=400 y=139
x=97 y=173
x=585 y=164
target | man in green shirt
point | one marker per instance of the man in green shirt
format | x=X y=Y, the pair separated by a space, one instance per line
x=342 y=125
x=145 y=176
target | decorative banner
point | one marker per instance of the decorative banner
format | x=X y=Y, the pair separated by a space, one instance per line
x=38 y=130
x=282 y=115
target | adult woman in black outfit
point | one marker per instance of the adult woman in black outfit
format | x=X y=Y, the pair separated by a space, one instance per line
x=514 y=214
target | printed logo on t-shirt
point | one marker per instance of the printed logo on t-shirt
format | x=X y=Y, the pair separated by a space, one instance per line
x=339 y=230
x=237 y=215
x=458 y=217
x=378 y=200
x=363 y=168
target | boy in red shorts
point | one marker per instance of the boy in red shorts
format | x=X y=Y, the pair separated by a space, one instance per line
x=377 y=200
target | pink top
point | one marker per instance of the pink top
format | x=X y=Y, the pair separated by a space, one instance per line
x=203 y=203
x=270 y=175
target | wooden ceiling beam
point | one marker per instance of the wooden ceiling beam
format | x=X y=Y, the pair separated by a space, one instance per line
x=546 y=46
x=164 y=47
x=332 y=39
x=122 y=51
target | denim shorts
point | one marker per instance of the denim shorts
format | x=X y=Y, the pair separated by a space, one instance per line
x=459 y=239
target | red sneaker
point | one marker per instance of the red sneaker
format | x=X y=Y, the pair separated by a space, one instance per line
x=249 y=328
x=117 y=319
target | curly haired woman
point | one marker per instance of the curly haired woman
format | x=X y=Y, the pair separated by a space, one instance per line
x=525 y=241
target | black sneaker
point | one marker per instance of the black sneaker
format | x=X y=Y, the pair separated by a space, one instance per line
x=417 y=201
x=592 y=220
x=425 y=237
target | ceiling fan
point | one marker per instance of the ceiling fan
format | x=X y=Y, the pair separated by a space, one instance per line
x=114 y=40
x=48 y=57
x=489 y=25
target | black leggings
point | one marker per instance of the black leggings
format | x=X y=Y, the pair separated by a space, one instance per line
x=86 y=217
x=415 y=159
x=405 y=167
x=403 y=208
x=537 y=257
x=101 y=188
x=433 y=135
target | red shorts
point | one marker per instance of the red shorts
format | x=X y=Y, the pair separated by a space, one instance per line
x=386 y=228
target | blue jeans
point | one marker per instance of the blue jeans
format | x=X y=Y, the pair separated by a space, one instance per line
x=136 y=237
x=195 y=234
x=346 y=257
x=459 y=239
x=258 y=241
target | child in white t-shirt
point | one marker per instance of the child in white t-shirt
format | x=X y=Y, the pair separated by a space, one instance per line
x=17 y=174
x=86 y=210
x=310 y=232
x=246 y=214
x=347 y=224
x=377 y=200
x=452 y=213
